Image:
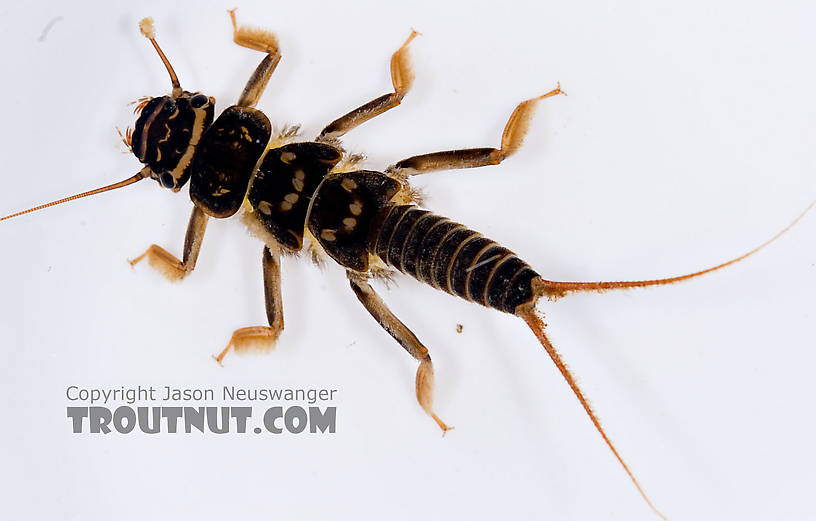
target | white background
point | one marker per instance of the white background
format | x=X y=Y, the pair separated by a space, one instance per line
x=687 y=139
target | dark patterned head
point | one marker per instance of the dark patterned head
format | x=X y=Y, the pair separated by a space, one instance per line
x=166 y=135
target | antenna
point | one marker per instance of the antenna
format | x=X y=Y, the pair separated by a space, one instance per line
x=129 y=181
x=149 y=32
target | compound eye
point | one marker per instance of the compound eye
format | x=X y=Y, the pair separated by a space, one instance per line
x=167 y=180
x=198 y=101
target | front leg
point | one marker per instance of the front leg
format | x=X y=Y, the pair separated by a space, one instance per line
x=258 y=40
x=425 y=374
x=167 y=264
x=262 y=338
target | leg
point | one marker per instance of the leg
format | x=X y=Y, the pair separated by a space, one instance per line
x=167 y=264
x=512 y=138
x=401 y=78
x=425 y=376
x=259 y=40
x=262 y=338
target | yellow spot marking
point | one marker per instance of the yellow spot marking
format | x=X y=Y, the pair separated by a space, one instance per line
x=349 y=222
x=348 y=184
x=287 y=157
x=221 y=191
x=298 y=184
x=356 y=208
x=291 y=198
x=300 y=175
x=265 y=208
x=286 y=206
x=245 y=134
x=328 y=235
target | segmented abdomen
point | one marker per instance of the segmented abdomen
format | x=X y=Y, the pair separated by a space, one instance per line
x=451 y=257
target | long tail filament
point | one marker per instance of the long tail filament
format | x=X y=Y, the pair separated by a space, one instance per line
x=537 y=326
x=556 y=289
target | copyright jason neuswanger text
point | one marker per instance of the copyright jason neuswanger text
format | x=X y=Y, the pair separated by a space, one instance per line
x=111 y=410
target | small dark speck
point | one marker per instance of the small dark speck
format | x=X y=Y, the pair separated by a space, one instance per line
x=351 y=344
x=459 y=328
x=49 y=268
x=48 y=27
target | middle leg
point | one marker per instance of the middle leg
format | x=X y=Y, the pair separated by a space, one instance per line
x=402 y=77
x=262 y=338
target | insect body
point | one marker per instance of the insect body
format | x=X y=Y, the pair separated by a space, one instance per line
x=291 y=192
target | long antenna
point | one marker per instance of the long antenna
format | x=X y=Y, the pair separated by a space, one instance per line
x=129 y=181
x=149 y=32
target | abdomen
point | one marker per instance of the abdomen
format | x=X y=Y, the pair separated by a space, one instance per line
x=451 y=257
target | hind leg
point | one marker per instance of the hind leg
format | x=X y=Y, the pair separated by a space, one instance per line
x=425 y=375
x=512 y=139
